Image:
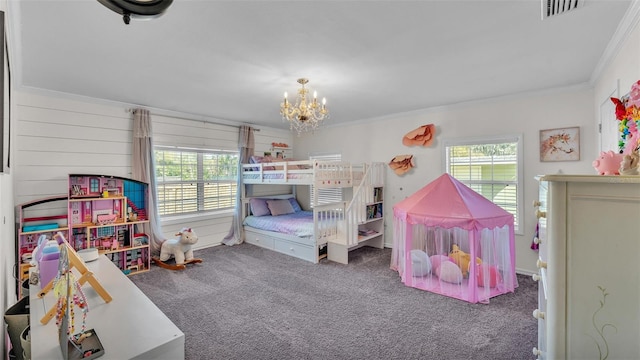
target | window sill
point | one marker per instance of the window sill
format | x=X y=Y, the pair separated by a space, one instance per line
x=173 y=220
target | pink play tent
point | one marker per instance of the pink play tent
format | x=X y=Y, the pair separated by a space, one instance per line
x=440 y=229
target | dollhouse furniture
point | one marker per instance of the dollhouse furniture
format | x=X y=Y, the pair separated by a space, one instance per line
x=100 y=214
x=329 y=230
x=450 y=240
x=45 y=216
x=130 y=326
x=588 y=297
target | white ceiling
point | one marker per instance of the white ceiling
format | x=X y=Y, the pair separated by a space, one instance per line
x=233 y=60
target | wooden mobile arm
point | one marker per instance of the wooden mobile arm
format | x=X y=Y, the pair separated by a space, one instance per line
x=85 y=276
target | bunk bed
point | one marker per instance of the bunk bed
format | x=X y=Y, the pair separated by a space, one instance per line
x=328 y=230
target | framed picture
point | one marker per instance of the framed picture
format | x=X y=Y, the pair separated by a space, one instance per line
x=560 y=144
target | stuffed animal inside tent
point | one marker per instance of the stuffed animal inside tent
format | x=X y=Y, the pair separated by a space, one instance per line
x=449 y=272
x=420 y=263
x=462 y=259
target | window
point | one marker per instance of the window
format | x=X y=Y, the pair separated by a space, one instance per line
x=492 y=167
x=194 y=181
x=326 y=196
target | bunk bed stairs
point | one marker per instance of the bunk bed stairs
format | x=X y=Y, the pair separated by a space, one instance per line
x=368 y=181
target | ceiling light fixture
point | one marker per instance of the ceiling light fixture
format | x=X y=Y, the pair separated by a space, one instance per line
x=141 y=9
x=304 y=116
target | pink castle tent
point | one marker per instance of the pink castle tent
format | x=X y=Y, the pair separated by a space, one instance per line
x=440 y=228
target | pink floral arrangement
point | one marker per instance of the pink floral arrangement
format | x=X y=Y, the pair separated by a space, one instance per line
x=628 y=113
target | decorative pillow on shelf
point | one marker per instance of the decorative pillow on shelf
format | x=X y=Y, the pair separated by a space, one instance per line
x=280 y=207
x=259 y=207
x=295 y=205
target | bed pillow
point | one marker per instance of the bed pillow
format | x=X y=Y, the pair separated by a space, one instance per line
x=280 y=207
x=259 y=207
x=294 y=204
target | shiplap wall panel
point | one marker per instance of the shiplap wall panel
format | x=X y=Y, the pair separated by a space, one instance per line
x=194 y=133
x=210 y=231
x=29 y=143
x=56 y=137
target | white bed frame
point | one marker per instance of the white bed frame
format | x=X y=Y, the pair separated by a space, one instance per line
x=335 y=225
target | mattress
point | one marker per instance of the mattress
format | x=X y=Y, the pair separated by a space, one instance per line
x=297 y=224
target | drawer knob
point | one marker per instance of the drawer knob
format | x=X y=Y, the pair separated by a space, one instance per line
x=536 y=203
x=541 y=214
x=538 y=314
x=536 y=277
x=541 y=264
x=536 y=240
x=537 y=352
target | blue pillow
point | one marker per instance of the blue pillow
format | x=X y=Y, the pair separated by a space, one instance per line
x=294 y=204
x=259 y=207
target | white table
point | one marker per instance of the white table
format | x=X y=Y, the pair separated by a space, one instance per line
x=129 y=327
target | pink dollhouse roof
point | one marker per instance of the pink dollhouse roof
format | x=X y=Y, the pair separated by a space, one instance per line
x=448 y=203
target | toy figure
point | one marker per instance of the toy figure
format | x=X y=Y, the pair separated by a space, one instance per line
x=608 y=163
x=180 y=249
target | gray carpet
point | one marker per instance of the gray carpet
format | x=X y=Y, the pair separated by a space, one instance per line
x=245 y=302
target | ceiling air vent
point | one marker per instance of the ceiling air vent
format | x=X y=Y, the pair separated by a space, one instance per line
x=557 y=7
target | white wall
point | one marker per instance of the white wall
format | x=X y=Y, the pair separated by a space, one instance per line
x=58 y=136
x=527 y=114
x=623 y=68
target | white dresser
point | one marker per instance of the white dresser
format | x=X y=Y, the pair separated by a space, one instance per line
x=589 y=241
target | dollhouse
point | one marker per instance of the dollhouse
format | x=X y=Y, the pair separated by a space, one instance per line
x=103 y=212
x=108 y=213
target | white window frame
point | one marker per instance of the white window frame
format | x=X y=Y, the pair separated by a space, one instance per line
x=489 y=140
x=330 y=195
x=200 y=182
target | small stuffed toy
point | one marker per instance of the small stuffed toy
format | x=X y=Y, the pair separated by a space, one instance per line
x=180 y=249
x=630 y=164
x=462 y=259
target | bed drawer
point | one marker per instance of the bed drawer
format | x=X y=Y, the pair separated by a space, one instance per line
x=260 y=240
x=300 y=251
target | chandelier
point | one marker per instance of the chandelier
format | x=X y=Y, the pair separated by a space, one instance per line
x=304 y=116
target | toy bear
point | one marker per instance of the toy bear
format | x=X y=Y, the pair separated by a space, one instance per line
x=180 y=249
x=462 y=259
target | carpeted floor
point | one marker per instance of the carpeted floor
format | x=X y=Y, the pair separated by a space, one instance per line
x=245 y=302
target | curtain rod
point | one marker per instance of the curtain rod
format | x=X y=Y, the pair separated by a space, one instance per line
x=131 y=110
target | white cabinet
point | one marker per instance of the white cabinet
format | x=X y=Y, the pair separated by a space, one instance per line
x=130 y=326
x=589 y=295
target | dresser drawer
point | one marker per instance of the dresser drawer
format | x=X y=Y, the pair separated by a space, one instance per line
x=300 y=251
x=260 y=240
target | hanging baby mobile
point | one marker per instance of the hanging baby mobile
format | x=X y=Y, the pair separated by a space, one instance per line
x=68 y=292
x=628 y=115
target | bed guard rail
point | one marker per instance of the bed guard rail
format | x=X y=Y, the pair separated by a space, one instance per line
x=329 y=222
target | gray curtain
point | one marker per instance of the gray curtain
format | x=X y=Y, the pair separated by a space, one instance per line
x=245 y=148
x=143 y=169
